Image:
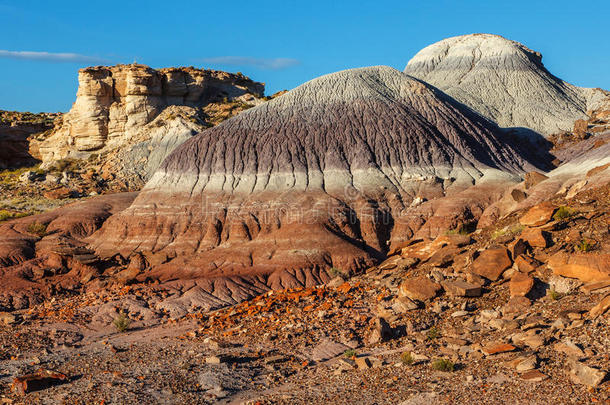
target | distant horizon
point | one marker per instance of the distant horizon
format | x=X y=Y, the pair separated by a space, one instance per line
x=289 y=44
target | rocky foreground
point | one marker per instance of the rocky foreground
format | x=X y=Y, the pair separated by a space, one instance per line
x=364 y=238
x=514 y=313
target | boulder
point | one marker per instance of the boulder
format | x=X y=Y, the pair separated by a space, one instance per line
x=491 y=263
x=516 y=305
x=419 y=288
x=404 y=304
x=496 y=348
x=518 y=195
x=517 y=247
x=538 y=215
x=526 y=264
x=328 y=349
x=520 y=284
x=534 y=376
x=39 y=380
x=381 y=332
x=564 y=285
x=459 y=288
x=444 y=256
x=127 y=276
x=7 y=318
x=580 y=373
x=569 y=348
x=601 y=308
x=59 y=193
x=587 y=267
x=536 y=237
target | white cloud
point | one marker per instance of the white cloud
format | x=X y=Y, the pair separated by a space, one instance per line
x=261 y=63
x=50 y=57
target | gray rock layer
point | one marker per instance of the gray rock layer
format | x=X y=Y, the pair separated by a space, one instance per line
x=504 y=81
x=365 y=128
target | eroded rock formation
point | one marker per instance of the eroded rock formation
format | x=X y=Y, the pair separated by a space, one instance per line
x=326 y=175
x=504 y=81
x=114 y=103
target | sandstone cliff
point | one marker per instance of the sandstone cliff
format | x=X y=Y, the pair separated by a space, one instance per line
x=114 y=103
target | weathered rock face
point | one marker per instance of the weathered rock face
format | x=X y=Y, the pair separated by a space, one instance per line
x=51 y=243
x=504 y=81
x=322 y=176
x=134 y=162
x=585 y=267
x=15 y=128
x=114 y=103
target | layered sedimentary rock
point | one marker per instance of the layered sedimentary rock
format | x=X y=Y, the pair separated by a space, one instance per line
x=114 y=103
x=504 y=81
x=50 y=244
x=134 y=162
x=586 y=165
x=327 y=175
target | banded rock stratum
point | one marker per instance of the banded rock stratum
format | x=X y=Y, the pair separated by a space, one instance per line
x=328 y=175
x=506 y=82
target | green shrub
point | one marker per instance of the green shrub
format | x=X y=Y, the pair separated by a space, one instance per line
x=443 y=365
x=4 y=215
x=563 y=212
x=584 y=246
x=433 y=333
x=65 y=165
x=121 y=322
x=23 y=214
x=37 y=229
x=349 y=353
x=335 y=272
x=407 y=358
x=554 y=295
x=513 y=231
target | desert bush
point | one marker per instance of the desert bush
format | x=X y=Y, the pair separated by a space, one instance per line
x=563 y=212
x=443 y=365
x=37 y=229
x=121 y=322
x=4 y=215
x=64 y=165
x=463 y=229
x=407 y=358
x=584 y=246
x=335 y=272
x=554 y=295
x=512 y=230
x=433 y=333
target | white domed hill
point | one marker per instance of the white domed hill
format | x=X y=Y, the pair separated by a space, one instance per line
x=324 y=176
x=504 y=81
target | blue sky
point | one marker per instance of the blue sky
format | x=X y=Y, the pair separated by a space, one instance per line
x=282 y=43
